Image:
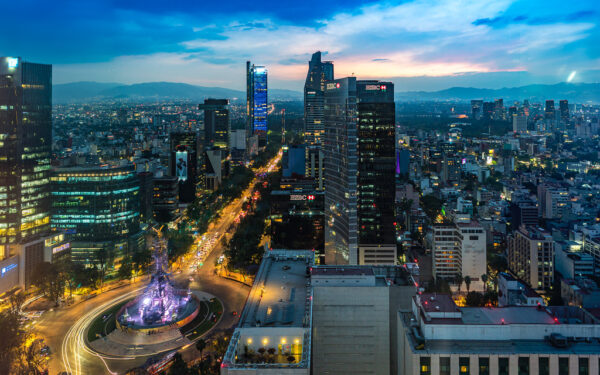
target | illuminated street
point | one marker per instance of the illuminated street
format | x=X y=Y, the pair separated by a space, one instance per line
x=64 y=329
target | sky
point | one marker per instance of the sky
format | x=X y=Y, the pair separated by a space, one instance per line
x=420 y=44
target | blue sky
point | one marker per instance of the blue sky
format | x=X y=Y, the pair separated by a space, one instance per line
x=419 y=44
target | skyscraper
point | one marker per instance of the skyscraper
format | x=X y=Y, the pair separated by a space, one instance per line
x=476 y=109
x=359 y=172
x=184 y=149
x=216 y=123
x=314 y=87
x=256 y=101
x=25 y=146
x=549 y=112
x=563 y=106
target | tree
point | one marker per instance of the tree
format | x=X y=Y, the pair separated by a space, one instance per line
x=49 y=280
x=484 y=278
x=101 y=261
x=474 y=299
x=124 y=272
x=432 y=206
x=459 y=280
x=12 y=341
x=179 y=367
x=468 y=282
x=141 y=259
x=200 y=346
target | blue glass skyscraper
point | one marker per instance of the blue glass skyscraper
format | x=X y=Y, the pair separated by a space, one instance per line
x=256 y=91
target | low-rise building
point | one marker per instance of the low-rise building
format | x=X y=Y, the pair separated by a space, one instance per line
x=437 y=337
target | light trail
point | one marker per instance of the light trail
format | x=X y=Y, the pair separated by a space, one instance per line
x=74 y=341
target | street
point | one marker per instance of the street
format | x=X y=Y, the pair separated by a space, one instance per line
x=64 y=328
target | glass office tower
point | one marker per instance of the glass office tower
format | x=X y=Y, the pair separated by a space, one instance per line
x=359 y=172
x=25 y=146
x=216 y=123
x=256 y=101
x=99 y=208
x=314 y=87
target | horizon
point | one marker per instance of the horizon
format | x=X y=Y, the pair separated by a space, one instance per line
x=300 y=91
x=418 y=45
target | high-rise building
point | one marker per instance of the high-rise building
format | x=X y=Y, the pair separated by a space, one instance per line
x=183 y=161
x=488 y=110
x=476 y=109
x=359 y=172
x=314 y=88
x=499 y=109
x=99 y=208
x=217 y=124
x=563 y=107
x=549 y=112
x=519 y=123
x=459 y=248
x=25 y=146
x=531 y=256
x=256 y=102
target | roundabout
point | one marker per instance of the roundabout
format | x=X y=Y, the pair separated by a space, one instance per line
x=144 y=322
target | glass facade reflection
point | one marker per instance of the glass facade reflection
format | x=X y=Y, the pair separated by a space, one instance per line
x=25 y=146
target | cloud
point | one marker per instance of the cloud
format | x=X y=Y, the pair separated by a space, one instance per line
x=377 y=40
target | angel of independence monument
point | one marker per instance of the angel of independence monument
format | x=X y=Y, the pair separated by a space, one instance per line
x=161 y=306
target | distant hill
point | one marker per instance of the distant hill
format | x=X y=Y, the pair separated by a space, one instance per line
x=574 y=92
x=94 y=91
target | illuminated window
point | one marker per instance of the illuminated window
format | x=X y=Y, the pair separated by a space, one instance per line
x=484 y=366
x=463 y=365
x=425 y=366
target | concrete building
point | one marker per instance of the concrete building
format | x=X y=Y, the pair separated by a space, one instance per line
x=278 y=316
x=519 y=123
x=460 y=248
x=572 y=264
x=437 y=337
x=531 y=256
x=512 y=292
x=582 y=292
x=354 y=318
x=553 y=201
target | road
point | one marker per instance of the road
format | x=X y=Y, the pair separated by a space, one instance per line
x=63 y=328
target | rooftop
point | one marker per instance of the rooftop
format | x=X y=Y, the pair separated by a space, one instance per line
x=342 y=271
x=281 y=291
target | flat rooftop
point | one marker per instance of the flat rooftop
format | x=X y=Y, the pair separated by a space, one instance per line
x=280 y=296
x=342 y=271
x=506 y=315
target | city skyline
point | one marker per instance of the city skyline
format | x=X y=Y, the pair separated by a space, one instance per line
x=418 y=45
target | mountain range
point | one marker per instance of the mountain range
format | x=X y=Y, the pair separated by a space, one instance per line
x=78 y=92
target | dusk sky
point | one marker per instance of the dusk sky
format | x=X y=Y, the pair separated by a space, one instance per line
x=420 y=45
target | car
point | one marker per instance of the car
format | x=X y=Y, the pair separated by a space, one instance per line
x=234 y=313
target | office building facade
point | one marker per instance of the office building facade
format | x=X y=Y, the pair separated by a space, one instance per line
x=359 y=171
x=257 y=102
x=99 y=209
x=217 y=124
x=25 y=147
x=183 y=161
x=314 y=87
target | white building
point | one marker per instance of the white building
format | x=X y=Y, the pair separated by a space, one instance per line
x=460 y=248
x=437 y=337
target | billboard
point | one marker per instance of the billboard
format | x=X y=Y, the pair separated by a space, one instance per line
x=181 y=165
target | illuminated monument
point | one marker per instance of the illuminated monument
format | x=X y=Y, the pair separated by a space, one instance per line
x=161 y=306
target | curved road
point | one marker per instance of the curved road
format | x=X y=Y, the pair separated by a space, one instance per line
x=63 y=328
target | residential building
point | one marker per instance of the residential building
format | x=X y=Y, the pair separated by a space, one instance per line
x=512 y=292
x=531 y=256
x=459 y=248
